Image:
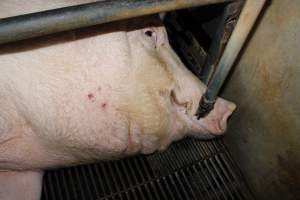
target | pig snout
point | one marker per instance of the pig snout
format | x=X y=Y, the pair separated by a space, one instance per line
x=215 y=123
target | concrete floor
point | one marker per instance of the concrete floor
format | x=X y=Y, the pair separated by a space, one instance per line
x=264 y=133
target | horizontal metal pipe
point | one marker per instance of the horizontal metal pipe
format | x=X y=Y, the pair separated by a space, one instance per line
x=69 y=18
x=247 y=18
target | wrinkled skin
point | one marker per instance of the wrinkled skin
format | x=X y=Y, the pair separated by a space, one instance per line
x=103 y=92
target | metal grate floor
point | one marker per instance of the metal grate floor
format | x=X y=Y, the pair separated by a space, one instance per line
x=190 y=169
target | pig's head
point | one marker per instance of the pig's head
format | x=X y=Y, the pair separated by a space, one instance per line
x=164 y=94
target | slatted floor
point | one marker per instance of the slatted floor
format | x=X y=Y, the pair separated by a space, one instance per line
x=190 y=169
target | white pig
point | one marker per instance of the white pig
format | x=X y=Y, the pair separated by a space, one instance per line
x=98 y=93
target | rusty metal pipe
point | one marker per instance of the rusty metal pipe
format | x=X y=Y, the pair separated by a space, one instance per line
x=69 y=18
x=247 y=18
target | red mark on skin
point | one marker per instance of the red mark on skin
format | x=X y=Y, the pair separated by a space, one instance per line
x=103 y=105
x=91 y=97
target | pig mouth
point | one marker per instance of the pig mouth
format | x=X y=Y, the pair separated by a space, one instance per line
x=192 y=125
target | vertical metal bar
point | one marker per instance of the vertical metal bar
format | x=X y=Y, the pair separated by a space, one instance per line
x=188 y=184
x=207 y=179
x=180 y=185
x=141 y=175
x=224 y=183
x=121 y=178
x=125 y=171
x=50 y=181
x=153 y=190
x=145 y=169
x=238 y=177
x=199 y=178
x=221 y=37
x=113 y=177
x=138 y=171
x=96 y=168
x=45 y=190
x=131 y=191
x=106 y=178
x=213 y=175
x=70 y=175
x=58 y=188
x=162 y=189
x=227 y=177
x=148 y=167
x=235 y=178
x=211 y=161
x=170 y=192
x=126 y=176
x=65 y=185
x=174 y=185
x=131 y=171
x=92 y=178
x=86 y=183
x=78 y=180
x=245 y=23
x=140 y=193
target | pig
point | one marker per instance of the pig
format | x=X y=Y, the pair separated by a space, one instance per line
x=98 y=93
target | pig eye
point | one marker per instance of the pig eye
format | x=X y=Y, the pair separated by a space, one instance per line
x=151 y=34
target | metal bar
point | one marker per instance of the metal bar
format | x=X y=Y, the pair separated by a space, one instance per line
x=131 y=171
x=92 y=178
x=203 y=176
x=148 y=167
x=203 y=186
x=181 y=186
x=153 y=190
x=166 y=184
x=144 y=168
x=119 y=174
x=187 y=184
x=107 y=179
x=140 y=174
x=243 y=27
x=69 y=18
x=52 y=191
x=71 y=181
x=160 y=189
x=45 y=193
x=99 y=176
x=213 y=175
x=113 y=177
x=65 y=185
x=226 y=25
x=221 y=177
x=86 y=183
x=59 y=192
x=78 y=181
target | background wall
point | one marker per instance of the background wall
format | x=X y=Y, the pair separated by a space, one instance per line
x=264 y=133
